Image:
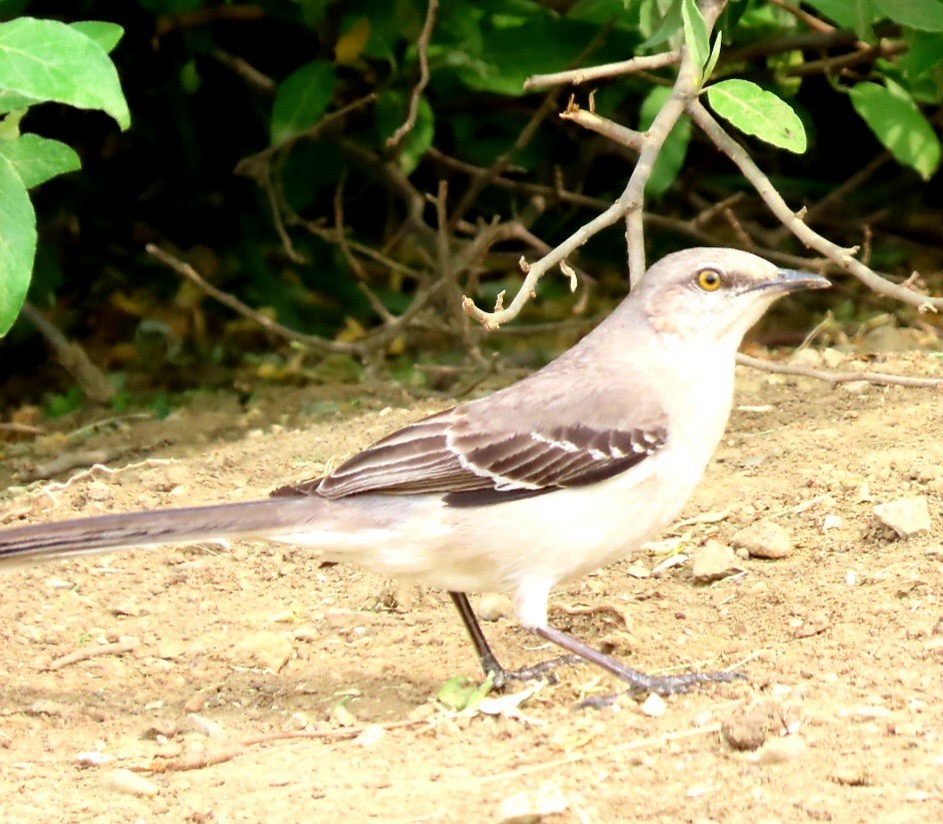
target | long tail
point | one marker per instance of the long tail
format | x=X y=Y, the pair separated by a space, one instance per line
x=45 y=542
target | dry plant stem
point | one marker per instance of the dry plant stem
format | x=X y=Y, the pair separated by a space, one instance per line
x=577 y=76
x=90 y=378
x=501 y=163
x=249 y=166
x=812 y=239
x=810 y=20
x=340 y=234
x=837 y=194
x=20 y=428
x=315 y=342
x=448 y=270
x=834 y=65
x=273 y=191
x=197 y=761
x=689 y=228
x=422 y=45
x=546 y=108
x=834 y=378
x=117 y=648
x=607 y=128
x=252 y=76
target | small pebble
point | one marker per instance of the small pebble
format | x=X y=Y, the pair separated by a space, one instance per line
x=713 y=561
x=832 y=522
x=906 y=516
x=125 y=781
x=747 y=727
x=764 y=539
x=372 y=734
x=266 y=649
x=169 y=649
x=781 y=750
x=654 y=706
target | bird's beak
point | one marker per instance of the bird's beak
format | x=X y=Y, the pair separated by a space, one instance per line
x=792 y=280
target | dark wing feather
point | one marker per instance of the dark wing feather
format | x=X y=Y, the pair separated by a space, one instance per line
x=474 y=464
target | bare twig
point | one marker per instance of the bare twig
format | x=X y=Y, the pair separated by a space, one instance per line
x=313 y=341
x=64 y=461
x=91 y=380
x=834 y=65
x=607 y=128
x=240 y=66
x=834 y=378
x=501 y=163
x=577 y=76
x=196 y=761
x=250 y=166
x=117 y=648
x=838 y=193
x=422 y=45
x=20 y=428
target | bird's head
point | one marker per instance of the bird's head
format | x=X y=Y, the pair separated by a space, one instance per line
x=718 y=293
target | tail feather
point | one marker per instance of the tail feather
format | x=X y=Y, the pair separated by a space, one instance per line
x=45 y=542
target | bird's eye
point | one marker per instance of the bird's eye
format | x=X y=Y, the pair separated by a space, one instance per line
x=709 y=280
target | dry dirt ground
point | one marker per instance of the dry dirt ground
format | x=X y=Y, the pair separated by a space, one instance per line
x=215 y=656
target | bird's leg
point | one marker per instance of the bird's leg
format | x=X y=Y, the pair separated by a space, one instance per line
x=637 y=681
x=489 y=663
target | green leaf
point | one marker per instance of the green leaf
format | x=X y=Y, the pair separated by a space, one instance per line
x=659 y=29
x=758 y=112
x=899 y=125
x=301 y=100
x=924 y=15
x=712 y=60
x=47 y=60
x=391 y=113
x=695 y=33
x=925 y=52
x=17 y=244
x=107 y=35
x=461 y=694
x=849 y=14
x=37 y=159
x=671 y=157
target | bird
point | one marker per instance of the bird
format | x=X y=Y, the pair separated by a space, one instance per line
x=564 y=472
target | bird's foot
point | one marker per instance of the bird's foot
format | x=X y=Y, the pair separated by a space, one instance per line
x=640 y=682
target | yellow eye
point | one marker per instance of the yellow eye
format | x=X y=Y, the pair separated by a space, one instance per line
x=709 y=280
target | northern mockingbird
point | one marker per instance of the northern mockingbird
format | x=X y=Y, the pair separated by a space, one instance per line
x=559 y=474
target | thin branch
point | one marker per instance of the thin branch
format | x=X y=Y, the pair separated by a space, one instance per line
x=838 y=193
x=250 y=166
x=313 y=341
x=834 y=65
x=422 y=45
x=503 y=160
x=577 y=76
x=73 y=358
x=501 y=163
x=616 y=132
x=834 y=378
x=812 y=239
x=244 y=69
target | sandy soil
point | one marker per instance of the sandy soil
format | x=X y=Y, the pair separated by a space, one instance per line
x=218 y=652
